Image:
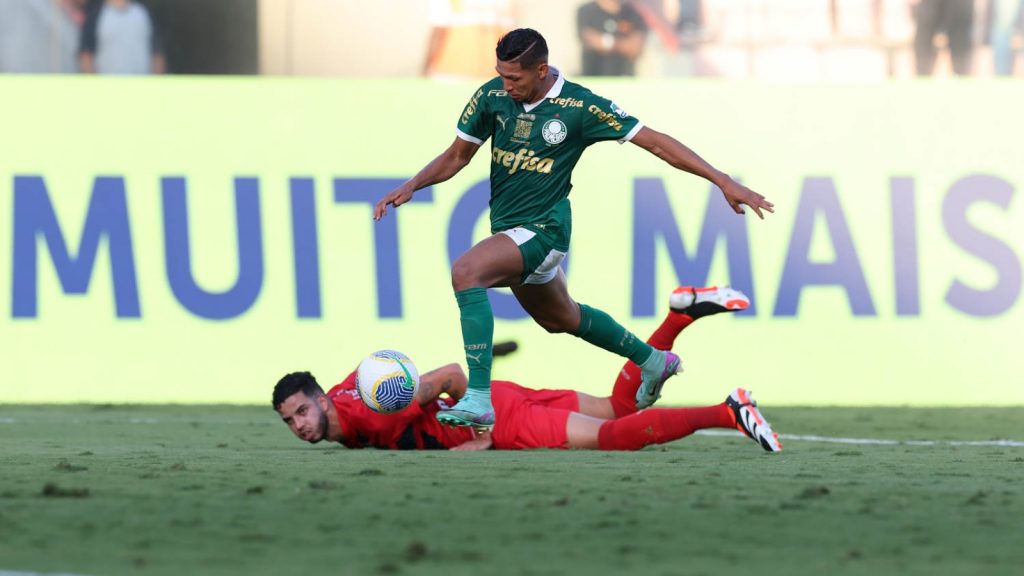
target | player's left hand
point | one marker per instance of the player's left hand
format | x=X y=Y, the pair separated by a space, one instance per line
x=737 y=195
x=395 y=198
x=481 y=441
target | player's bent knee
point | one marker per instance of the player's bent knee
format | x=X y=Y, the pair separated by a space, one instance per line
x=554 y=325
x=464 y=276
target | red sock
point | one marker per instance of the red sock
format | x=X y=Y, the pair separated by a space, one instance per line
x=660 y=425
x=665 y=336
x=624 y=392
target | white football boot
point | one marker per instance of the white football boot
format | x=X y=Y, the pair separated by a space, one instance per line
x=750 y=421
x=698 y=302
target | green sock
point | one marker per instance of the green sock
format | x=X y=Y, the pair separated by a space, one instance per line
x=602 y=330
x=477 y=320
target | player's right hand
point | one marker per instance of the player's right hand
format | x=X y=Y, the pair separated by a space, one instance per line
x=395 y=198
x=737 y=195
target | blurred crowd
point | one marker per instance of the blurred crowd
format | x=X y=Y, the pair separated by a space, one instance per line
x=88 y=36
x=764 y=39
x=790 y=39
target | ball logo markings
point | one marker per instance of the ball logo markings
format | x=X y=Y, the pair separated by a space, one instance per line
x=393 y=391
x=392 y=355
x=387 y=381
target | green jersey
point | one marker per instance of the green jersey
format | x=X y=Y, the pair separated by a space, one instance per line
x=534 y=147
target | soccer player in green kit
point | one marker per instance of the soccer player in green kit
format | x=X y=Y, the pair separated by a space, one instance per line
x=540 y=124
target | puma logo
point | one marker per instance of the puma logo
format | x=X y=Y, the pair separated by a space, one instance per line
x=501 y=120
x=474 y=357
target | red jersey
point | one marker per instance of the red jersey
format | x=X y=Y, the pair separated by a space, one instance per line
x=526 y=418
x=413 y=428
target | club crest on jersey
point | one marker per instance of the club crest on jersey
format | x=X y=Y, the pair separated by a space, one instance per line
x=554 y=131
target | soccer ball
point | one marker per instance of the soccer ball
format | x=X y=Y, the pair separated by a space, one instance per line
x=387 y=381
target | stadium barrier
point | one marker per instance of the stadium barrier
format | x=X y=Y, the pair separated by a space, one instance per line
x=191 y=240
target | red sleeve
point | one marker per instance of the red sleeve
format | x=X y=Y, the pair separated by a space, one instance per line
x=349 y=383
x=410 y=414
x=362 y=427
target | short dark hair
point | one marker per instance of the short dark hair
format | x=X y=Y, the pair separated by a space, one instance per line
x=296 y=382
x=523 y=45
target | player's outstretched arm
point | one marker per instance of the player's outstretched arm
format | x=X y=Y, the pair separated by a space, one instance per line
x=438 y=170
x=680 y=156
x=449 y=379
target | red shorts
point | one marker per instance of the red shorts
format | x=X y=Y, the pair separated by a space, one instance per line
x=527 y=418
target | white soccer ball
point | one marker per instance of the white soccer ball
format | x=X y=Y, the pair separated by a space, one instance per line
x=387 y=381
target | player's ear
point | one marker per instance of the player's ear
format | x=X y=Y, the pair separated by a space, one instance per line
x=542 y=70
x=323 y=402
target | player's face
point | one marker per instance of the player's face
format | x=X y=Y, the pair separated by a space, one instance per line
x=522 y=84
x=304 y=417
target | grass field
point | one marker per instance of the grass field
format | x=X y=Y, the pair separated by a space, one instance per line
x=227 y=490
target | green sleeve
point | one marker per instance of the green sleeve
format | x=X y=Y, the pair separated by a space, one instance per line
x=604 y=120
x=476 y=123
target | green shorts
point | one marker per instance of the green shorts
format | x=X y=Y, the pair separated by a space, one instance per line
x=544 y=244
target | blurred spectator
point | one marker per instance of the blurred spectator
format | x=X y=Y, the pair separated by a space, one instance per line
x=119 y=38
x=463 y=35
x=613 y=34
x=1006 y=17
x=39 y=35
x=685 y=17
x=677 y=28
x=954 y=19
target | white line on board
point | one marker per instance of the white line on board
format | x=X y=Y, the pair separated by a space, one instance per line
x=9 y=573
x=875 y=441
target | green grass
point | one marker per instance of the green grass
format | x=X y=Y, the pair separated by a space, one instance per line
x=227 y=490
